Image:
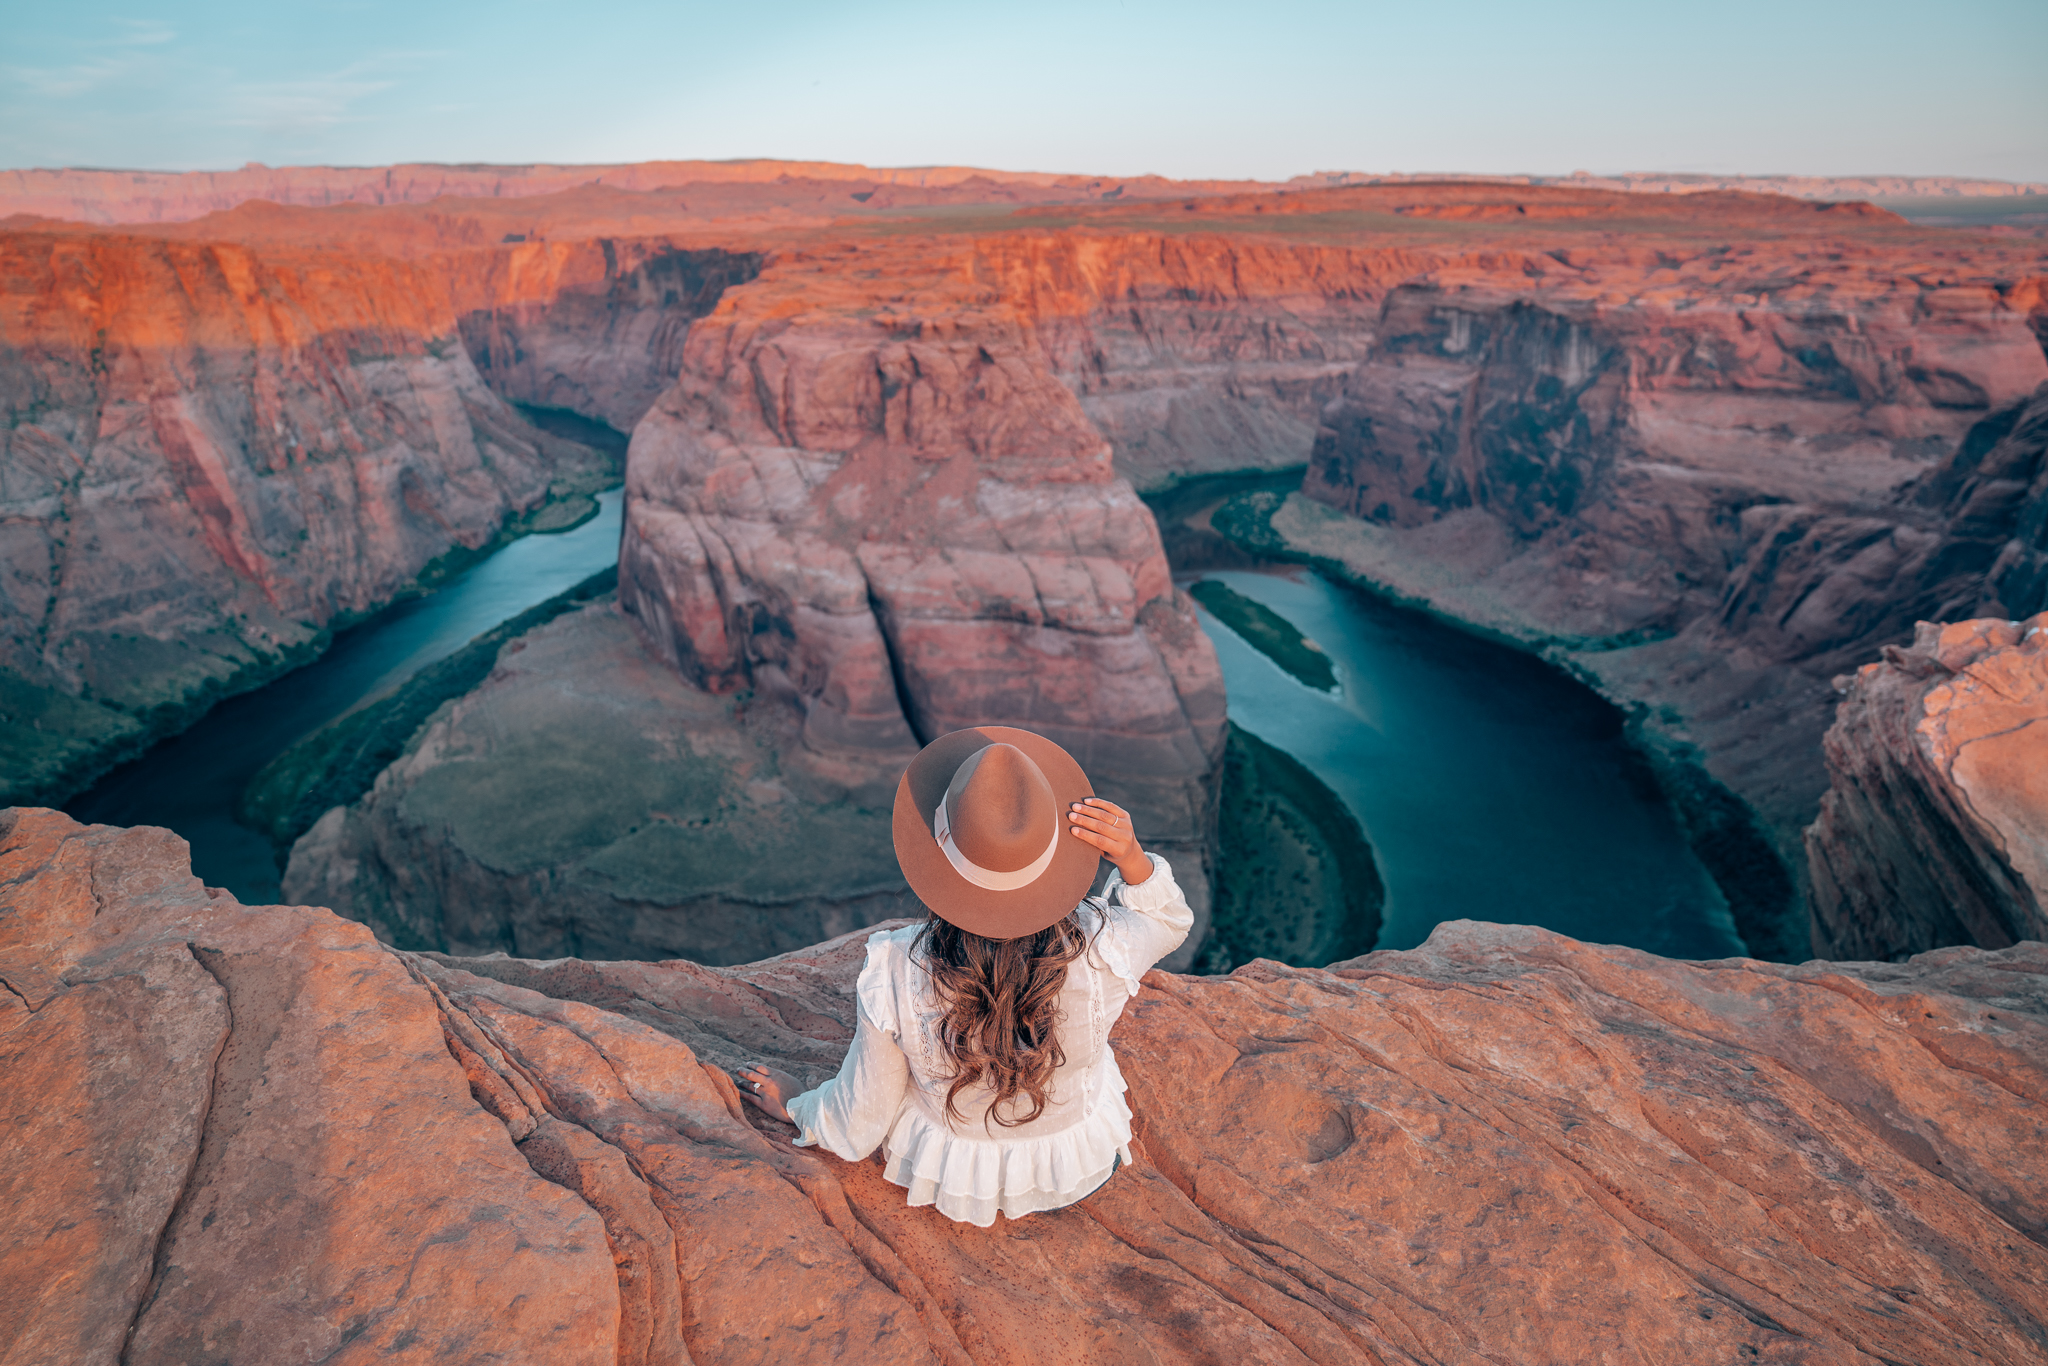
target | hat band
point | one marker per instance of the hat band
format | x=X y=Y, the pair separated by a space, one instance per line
x=989 y=878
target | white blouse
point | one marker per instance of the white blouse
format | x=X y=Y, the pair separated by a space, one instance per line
x=891 y=1090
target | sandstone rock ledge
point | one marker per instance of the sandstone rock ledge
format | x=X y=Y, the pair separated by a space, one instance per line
x=1935 y=831
x=241 y=1134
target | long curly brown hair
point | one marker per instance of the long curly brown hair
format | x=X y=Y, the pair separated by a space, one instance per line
x=999 y=1009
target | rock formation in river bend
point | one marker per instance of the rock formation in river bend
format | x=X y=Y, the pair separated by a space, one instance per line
x=882 y=506
x=239 y=1130
x=1935 y=831
x=212 y=452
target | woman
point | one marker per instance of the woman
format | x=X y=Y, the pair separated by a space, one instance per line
x=980 y=1062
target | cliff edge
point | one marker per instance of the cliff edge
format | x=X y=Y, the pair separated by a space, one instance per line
x=235 y=1126
x=1935 y=830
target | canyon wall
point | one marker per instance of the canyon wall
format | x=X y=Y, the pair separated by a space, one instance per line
x=1935 y=829
x=601 y=343
x=1703 y=477
x=876 y=501
x=1703 y=450
x=212 y=453
x=241 y=1130
x=1195 y=354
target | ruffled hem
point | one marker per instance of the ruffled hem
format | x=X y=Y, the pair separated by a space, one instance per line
x=971 y=1180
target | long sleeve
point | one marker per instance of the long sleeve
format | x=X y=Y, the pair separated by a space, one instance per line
x=1147 y=921
x=850 y=1115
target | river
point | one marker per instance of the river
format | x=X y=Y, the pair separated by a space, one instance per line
x=190 y=782
x=1490 y=786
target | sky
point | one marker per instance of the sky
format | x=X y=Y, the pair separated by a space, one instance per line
x=1188 y=89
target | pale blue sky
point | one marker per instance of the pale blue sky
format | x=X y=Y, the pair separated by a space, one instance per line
x=1120 y=87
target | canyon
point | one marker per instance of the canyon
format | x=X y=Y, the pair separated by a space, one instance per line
x=1704 y=450
x=239 y=1126
x=936 y=460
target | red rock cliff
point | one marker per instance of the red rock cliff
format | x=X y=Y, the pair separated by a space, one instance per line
x=211 y=452
x=240 y=1131
x=877 y=499
x=1935 y=830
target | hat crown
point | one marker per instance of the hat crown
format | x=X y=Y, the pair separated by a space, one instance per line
x=1001 y=809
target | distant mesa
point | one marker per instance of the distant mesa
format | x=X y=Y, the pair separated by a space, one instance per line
x=89 y=195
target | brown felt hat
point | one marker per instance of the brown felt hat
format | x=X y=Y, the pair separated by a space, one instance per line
x=1008 y=865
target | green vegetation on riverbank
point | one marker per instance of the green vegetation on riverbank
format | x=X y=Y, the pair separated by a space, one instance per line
x=1730 y=838
x=1266 y=631
x=337 y=763
x=1295 y=878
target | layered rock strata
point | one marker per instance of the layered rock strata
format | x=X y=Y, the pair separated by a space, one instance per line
x=899 y=520
x=211 y=454
x=243 y=1127
x=1935 y=829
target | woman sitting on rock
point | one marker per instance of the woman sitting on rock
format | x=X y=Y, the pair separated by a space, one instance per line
x=981 y=1062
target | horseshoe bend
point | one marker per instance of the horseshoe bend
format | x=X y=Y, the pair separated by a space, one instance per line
x=1763 y=480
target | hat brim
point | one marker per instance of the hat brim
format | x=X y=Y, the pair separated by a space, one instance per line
x=951 y=897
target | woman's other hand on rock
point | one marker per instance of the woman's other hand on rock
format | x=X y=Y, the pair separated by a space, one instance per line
x=1107 y=826
x=769 y=1088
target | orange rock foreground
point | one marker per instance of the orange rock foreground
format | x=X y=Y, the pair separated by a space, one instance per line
x=254 y=1134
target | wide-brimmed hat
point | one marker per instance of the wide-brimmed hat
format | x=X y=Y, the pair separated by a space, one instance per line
x=982 y=833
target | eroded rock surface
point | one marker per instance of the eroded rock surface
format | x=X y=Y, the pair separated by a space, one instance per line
x=1676 y=473
x=595 y=328
x=1502 y=1146
x=1935 y=831
x=1708 y=450
x=238 y=1135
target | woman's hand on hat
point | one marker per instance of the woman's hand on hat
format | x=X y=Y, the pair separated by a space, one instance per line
x=770 y=1089
x=1107 y=826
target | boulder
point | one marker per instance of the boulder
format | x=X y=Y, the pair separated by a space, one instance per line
x=245 y=1130
x=1935 y=829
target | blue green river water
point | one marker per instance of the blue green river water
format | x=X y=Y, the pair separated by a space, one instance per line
x=1491 y=786
x=190 y=782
